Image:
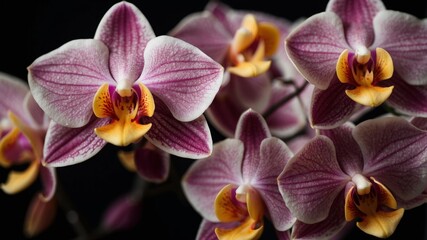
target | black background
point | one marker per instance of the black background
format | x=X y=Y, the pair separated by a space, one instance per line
x=29 y=29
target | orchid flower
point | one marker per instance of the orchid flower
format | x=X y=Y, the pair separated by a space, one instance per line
x=236 y=187
x=359 y=55
x=126 y=84
x=368 y=174
x=23 y=127
x=245 y=44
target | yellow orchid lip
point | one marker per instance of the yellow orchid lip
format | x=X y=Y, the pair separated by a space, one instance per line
x=375 y=211
x=253 y=42
x=364 y=70
x=125 y=112
x=242 y=205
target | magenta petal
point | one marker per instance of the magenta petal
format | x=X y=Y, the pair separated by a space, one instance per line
x=67 y=146
x=64 y=81
x=419 y=122
x=152 y=164
x=123 y=213
x=206 y=177
x=274 y=156
x=331 y=107
x=395 y=154
x=405 y=38
x=204 y=31
x=357 y=16
x=184 y=139
x=252 y=92
x=408 y=99
x=311 y=181
x=224 y=113
x=314 y=47
x=12 y=91
x=181 y=75
x=126 y=31
x=347 y=150
x=325 y=229
x=35 y=114
x=48 y=179
x=251 y=130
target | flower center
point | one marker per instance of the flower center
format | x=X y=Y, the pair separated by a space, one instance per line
x=364 y=71
x=373 y=206
x=246 y=214
x=124 y=107
x=253 y=42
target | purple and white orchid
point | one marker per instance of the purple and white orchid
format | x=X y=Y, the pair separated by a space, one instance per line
x=126 y=84
x=367 y=173
x=231 y=39
x=23 y=127
x=359 y=55
x=236 y=187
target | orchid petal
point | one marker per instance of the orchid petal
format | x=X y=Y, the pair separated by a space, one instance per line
x=48 y=179
x=13 y=92
x=331 y=108
x=408 y=99
x=357 y=16
x=67 y=146
x=181 y=75
x=419 y=122
x=125 y=31
x=405 y=38
x=122 y=214
x=274 y=155
x=251 y=130
x=347 y=151
x=185 y=139
x=312 y=180
x=64 y=81
x=206 y=177
x=40 y=215
x=152 y=163
x=331 y=226
x=204 y=31
x=314 y=47
x=224 y=113
x=35 y=114
x=395 y=154
x=252 y=92
x=18 y=181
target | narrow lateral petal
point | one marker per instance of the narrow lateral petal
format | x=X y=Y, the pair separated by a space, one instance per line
x=64 y=81
x=206 y=177
x=312 y=180
x=185 y=139
x=227 y=208
x=274 y=156
x=40 y=215
x=67 y=146
x=48 y=180
x=181 y=75
x=395 y=154
x=357 y=16
x=251 y=130
x=314 y=47
x=125 y=31
x=405 y=37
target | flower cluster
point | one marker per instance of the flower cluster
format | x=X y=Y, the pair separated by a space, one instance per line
x=301 y=150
